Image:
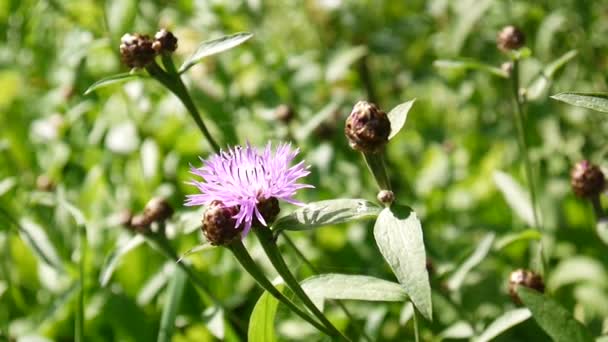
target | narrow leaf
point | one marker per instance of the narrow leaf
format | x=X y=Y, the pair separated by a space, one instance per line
x=595 y=101
x=119 y=78
x=398 y=234
x=36 y=238
x=398 y=116
x=481 y=251
x=213 y=47
x=511 y=238
x=503 y=323
x=340 y=64
x=541 y=82
x=115 y=257
x=353 y=287
x=261 y=321
x=329 y=212
x=469 y=64
x=602 y=230
x=171 y=307
x=554 y=319
x=517 y=198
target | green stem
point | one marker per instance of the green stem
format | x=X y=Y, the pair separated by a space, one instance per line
x=416 y=332
x=307 y=262
x=253 y=269
x=266 y=238
x=79 y=332
x=377 y=165
x=174 y=83
x=597 y=207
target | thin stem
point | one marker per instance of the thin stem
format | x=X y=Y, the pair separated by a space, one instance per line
x=597 y=207
x=174 y=83
x=266 y=238
x=254 y=270
x=79 y=333
x=377 y=165
x=416 y=332
x=309 y=264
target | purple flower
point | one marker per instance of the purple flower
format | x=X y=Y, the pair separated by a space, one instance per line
x=243 y=177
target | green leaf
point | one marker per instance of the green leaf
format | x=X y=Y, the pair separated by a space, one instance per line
x=352 y=287
x=554 y=319
x=106 y=81
x=577 y=269
x=261 y=321
x=541 y=82
x=342 y=61
x=595 y=101
x=36 y=238
x=7 y=184
x=213 y=47
x=511 y=238
x=114 y=258
x=458 y=330
x=517 y=198
x=398 y=116
x=323 y=213
x=398 y=234
x=172 y=301
x=481 y=251
x=469 y=64
x=503 y=323
x=602 y=230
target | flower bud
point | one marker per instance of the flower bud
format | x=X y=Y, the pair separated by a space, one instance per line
x=45 y=183
x=525 y=278
x=386 y=197
x=269 y=208
x=158 y=209
x=219 y=224
x=510 y=38
x=140 y=223
x=507 y=67
x=367 y=128
x=136 y=50
x=164 y=42
x=587 y=180
x=284 y=113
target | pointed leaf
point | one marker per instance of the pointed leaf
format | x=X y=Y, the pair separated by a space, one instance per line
x=595 y=101
x=398 y=234
x=554 y=319
x=481 y=251
x=36 y=238
x=261 y=321
x=119 y=78
x=511 y=238
x=173 y=299
x=544 y=79
x=353 y=287
x=503 y=323
x=517 y=198
x=213 y=47
x=469 y=64
x=323 y=213
x=114 y=258
x=398 y=116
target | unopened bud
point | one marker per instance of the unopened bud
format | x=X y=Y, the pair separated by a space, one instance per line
x=525 y=278
x=367 y=128
x=510 y=38
x=140 y=223
x=158 y=210
x=507 y=67
x=164 y=42
x=269 y=208
x=136 y=50
x=284 y=113
x=44 y=183
x=386 y=197
x=587 y=180
x=219 y=224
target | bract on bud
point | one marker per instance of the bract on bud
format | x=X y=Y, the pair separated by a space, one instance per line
x=510 y=38
x=386 y=197
x=284 y=113
x=525 y=278
x=219 y=224
x=269 y=209
x=164 y=42
x=158 y=209
x=367 y=128
x=587 y=180
x=136 y=50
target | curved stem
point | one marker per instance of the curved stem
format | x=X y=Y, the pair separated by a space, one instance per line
x=266 y=238
x=309 y=264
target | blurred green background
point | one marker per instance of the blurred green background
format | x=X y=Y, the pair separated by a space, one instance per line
x=124 y=144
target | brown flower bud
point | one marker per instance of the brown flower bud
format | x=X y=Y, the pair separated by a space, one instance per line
x=510 y=38
x=164 y=42
x=284 y=113
x=140 y=223
x=219 y=224
x=367 y=128
x=525 y=278
x=386 y=197
x=269 y=208
x=136 y=50
x=45 y=183
x=158 y=209
x=587 y=180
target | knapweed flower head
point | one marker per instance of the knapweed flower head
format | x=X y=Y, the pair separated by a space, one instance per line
x=249 y=180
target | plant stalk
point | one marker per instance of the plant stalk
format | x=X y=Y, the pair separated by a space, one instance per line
x=266 y=238
x=377 y=165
